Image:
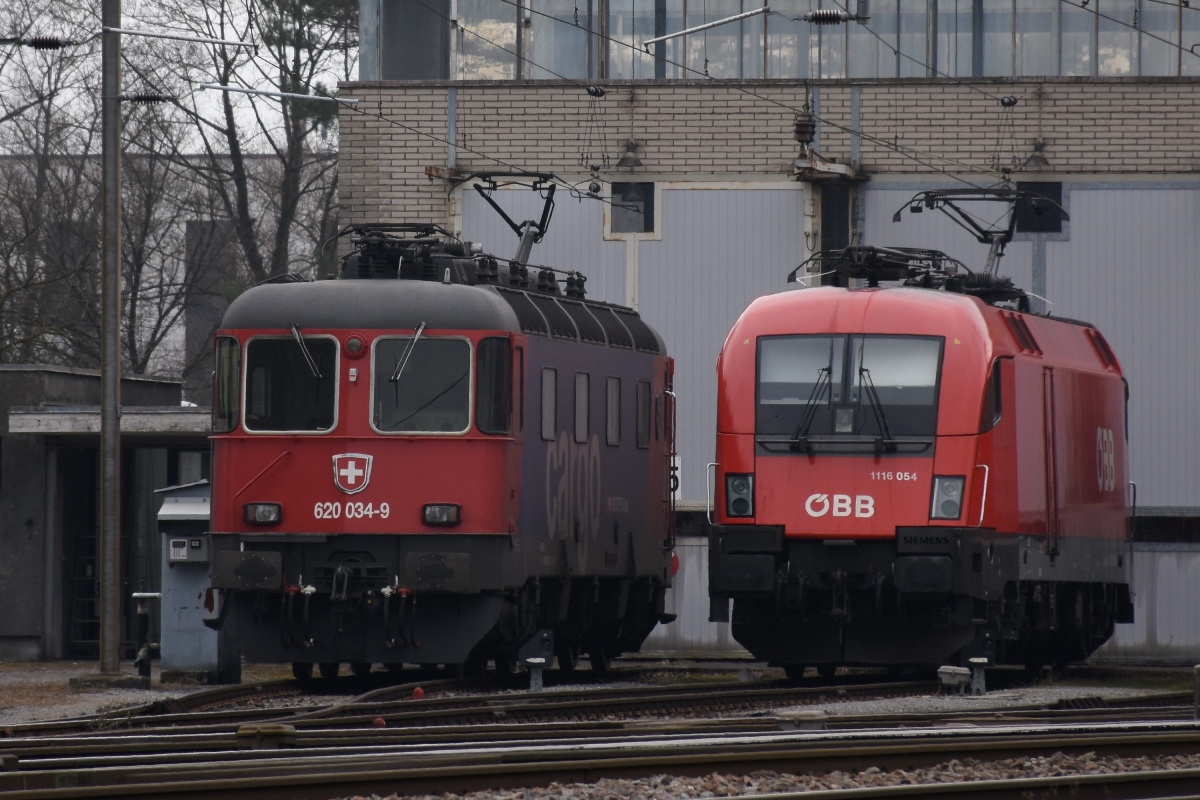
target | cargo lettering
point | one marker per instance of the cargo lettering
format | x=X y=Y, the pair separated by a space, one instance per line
x=574 y=496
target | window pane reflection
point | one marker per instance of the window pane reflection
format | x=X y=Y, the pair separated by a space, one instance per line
x=873 y=45
x=954 y=38
x=790 y=47
x=997 y=37
x=1159 y=23
x=1037 y=38
x=912 y=35
x=629 y=24
x=561 y=40
x=1078 y=40
x=487 y=44
x=1030 y=38
x=1116 y=49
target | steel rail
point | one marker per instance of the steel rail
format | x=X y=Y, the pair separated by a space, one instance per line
x=300 y=777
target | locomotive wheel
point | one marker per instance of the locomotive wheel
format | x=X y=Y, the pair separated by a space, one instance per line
x=568 y=657
x=600 y=660
x=505 y=665
x=302 y=670
x=328 y=669
x=360 y=668
x=395 y=666
x=827 y=670
x=794 y=672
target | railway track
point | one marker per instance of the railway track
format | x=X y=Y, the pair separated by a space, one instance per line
x=418 y=767
x=456 y=739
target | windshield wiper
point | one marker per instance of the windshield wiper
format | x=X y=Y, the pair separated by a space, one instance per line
x=407 y=353
x=800 y=437
x=312 y=363
x=884 y=441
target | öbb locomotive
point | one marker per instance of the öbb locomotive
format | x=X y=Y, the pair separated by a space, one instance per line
x=918 y=472
x=435 y=457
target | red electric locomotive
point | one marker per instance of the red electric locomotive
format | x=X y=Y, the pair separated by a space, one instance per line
x=918 y=474
x=435 y=458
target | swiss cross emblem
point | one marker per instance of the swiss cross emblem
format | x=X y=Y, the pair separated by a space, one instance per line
x=352 y=472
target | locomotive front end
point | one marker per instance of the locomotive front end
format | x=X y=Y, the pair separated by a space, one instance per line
x=847 y=486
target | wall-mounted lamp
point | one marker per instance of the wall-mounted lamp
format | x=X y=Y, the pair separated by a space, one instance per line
x=630 y=159
x=1037 y=159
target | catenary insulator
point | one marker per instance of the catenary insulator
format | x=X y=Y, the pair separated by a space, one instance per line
x=46 y=42
x=805 y=129
x=827 y=16
x=145 y=98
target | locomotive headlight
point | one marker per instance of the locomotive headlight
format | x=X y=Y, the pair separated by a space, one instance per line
x=947 y=497
x=739 y=495
x=444 y=514
x=262 y=513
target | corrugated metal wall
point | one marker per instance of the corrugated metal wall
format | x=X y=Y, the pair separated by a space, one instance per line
x=1130 y=268
x=720 y=250
x=1166 y=629
x=691 y=633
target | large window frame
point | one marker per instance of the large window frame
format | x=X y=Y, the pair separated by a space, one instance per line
x=565 y=40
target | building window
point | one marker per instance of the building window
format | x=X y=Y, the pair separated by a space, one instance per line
x=1044 y=217
x=632 y=208
x=613 y=418
x=567 y=40
x=581 y=407
x=549 y=403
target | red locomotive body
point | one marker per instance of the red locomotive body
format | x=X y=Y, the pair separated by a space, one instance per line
x=907 y=476
x=430 y=461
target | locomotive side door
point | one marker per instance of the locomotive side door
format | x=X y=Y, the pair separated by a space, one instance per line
x=1048 y=429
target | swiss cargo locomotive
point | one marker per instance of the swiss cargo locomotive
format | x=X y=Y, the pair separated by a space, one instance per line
x=434 y=457
x=918 y=474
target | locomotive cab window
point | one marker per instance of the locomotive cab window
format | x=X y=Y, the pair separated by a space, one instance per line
x=494 y=395
x=291 y=383
x=421 y=384
x=847 y=386
x=227 y=384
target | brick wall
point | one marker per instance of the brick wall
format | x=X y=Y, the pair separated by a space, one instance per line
x=1117 y=127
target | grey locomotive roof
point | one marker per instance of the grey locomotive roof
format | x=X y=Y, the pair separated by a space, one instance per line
x=370 y=304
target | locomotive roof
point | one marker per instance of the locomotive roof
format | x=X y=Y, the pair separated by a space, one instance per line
x=370 y=304
x=926 y=312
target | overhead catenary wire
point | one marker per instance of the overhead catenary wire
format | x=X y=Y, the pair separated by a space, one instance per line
x=908 y=152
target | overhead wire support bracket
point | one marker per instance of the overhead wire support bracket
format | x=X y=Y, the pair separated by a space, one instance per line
x=195 y=39
x=288 y=95
x=764 y=10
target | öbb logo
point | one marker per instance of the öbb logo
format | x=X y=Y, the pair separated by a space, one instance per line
x=842 y=505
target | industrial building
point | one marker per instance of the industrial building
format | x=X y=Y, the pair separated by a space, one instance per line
x=685 y=192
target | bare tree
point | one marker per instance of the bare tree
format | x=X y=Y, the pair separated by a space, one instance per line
x=304 y=46
x=48 y=186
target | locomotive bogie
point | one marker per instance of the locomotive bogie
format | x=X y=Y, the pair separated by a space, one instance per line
x=908 y=476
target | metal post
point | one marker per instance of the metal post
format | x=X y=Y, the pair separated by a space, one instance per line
x=1196 y=692
x=110 y=347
